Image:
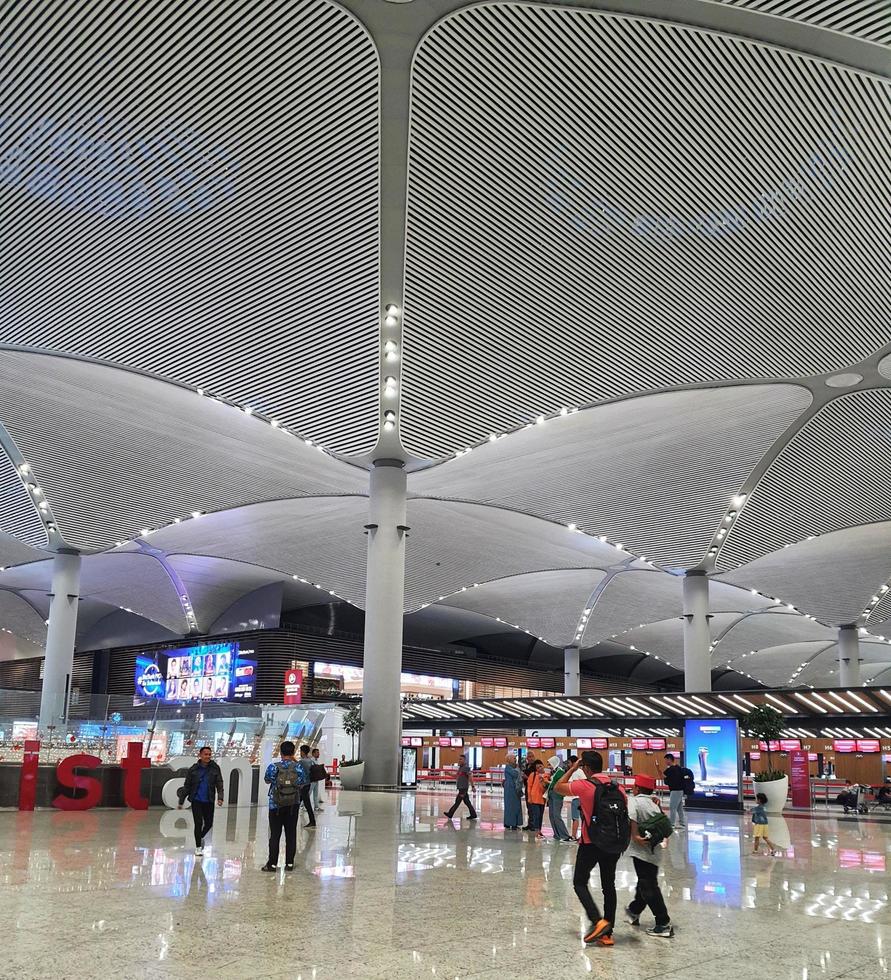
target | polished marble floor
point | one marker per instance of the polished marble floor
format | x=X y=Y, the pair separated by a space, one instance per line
x=385 y=887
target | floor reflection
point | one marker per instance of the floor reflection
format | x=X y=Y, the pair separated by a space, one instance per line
x=408 y=894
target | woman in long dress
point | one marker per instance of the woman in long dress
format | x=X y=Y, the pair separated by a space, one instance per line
x=513 y=793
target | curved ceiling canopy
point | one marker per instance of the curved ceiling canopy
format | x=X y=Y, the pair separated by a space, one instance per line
x=603 y=204
x=645 y=283
x=115 y=452
x=192 y=191
x=656 y=473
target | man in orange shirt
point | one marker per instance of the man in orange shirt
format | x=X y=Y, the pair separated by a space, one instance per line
x=606 y=832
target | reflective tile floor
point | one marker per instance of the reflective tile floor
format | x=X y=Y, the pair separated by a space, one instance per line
x=386 y=888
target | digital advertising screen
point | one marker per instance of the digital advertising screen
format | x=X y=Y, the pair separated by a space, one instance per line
x=500 y=743
x=210 y=672
x=712 y=753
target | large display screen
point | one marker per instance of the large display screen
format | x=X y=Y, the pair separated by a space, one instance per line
x=210 y=672
x=712 y=753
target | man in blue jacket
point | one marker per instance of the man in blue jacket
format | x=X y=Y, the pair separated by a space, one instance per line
x=286 y=780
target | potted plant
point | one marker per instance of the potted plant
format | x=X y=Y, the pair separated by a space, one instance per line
x=352 y=772
x=766 y=724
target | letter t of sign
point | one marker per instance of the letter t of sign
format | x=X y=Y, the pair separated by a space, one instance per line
x=133 y=763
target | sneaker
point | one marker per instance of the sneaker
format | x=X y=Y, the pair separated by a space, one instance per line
x=663 y=932
x=199 y=852
x=269 y=867
x=474 y=817
x=448 y=816
x=600 y=928
x=631 y=918
x=289 y=867
x=605 y=940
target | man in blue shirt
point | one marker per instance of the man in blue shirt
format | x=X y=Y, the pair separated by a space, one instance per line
x=286 y=780
x=305 y=762
x=203 y=780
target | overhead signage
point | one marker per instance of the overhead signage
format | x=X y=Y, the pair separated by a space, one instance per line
x=533 y=743
x=868 y=745
x=487 y=743
x=548 y=743
x=294 y=687
x=640 y=744
x=500 y=742
x=844 y=745
x=656 y=744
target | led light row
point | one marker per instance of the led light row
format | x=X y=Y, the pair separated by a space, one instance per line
x=736 y=505
x=495 y=436
x=41 y=504
x=498 y=619
x=873 y=602
x=272 y=422
x=390 y=358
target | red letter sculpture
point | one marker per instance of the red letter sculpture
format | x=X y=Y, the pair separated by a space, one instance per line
x=133 y=764
x=28 y=778
x=66 y=777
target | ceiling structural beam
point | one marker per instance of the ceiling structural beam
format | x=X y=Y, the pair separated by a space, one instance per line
x=697 y=636
x=848 y=656
x=60 y=638
x=571 y=680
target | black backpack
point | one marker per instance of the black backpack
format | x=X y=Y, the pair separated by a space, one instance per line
x=689 y=784
x=610 y=828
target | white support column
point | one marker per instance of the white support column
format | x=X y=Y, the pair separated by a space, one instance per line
x=848 y=657
x=697 y=635
x=384 y=597
x=571 y=683
x=60 y=637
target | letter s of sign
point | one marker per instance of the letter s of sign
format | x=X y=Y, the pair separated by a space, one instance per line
x=66 y=777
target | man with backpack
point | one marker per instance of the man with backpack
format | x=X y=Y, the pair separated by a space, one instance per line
x=679 y=781
x=606 y=832
x=286 y=780
x=648 y=830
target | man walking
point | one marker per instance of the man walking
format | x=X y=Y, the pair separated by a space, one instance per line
x=677 y=779
x=203 y=781
x=555 y=800
x=286 y=779
x=605 y=835
x=463 y=783
x=305 y=763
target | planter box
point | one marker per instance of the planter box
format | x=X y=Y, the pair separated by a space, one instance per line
x=351 y=776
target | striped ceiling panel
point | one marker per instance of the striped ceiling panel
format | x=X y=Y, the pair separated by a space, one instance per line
x=655 y=473
x=191 y=189
x=116 y=452
x=545 y=604
x=19 y=617
x=18 y=515
x=631 y=599
x=453 y=545
x=12 y=551
x=881 y=614
x=868 y=19
x=775 y=665
x=602 y=205
x=832 y=475
x=833 y=577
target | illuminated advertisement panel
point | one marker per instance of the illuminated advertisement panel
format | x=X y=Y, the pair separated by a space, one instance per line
x=188 y=675
x=712 y=753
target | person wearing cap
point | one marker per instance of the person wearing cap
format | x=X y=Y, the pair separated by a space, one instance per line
x=641 y=807
x=555 y=800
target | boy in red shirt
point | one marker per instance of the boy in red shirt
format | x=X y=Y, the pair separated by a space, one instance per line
x=591 y=854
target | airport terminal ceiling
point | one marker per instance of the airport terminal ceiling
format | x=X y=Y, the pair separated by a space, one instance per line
x=611 y=280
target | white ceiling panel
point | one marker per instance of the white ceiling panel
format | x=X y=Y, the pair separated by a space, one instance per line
x=191 y=189
x=116 y=452
x=545 y=604
x=768 y=629
x=603 y=204
x=655 y=473
x=832 y=577
x=868 y=19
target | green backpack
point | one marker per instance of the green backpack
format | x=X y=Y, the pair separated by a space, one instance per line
x=655 y=829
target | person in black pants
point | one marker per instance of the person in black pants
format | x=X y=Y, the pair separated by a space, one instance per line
x=647 y=859
x=463 y=783
x=203 y=781
x=305 y=762
x=286 y=780
x=589 y=855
